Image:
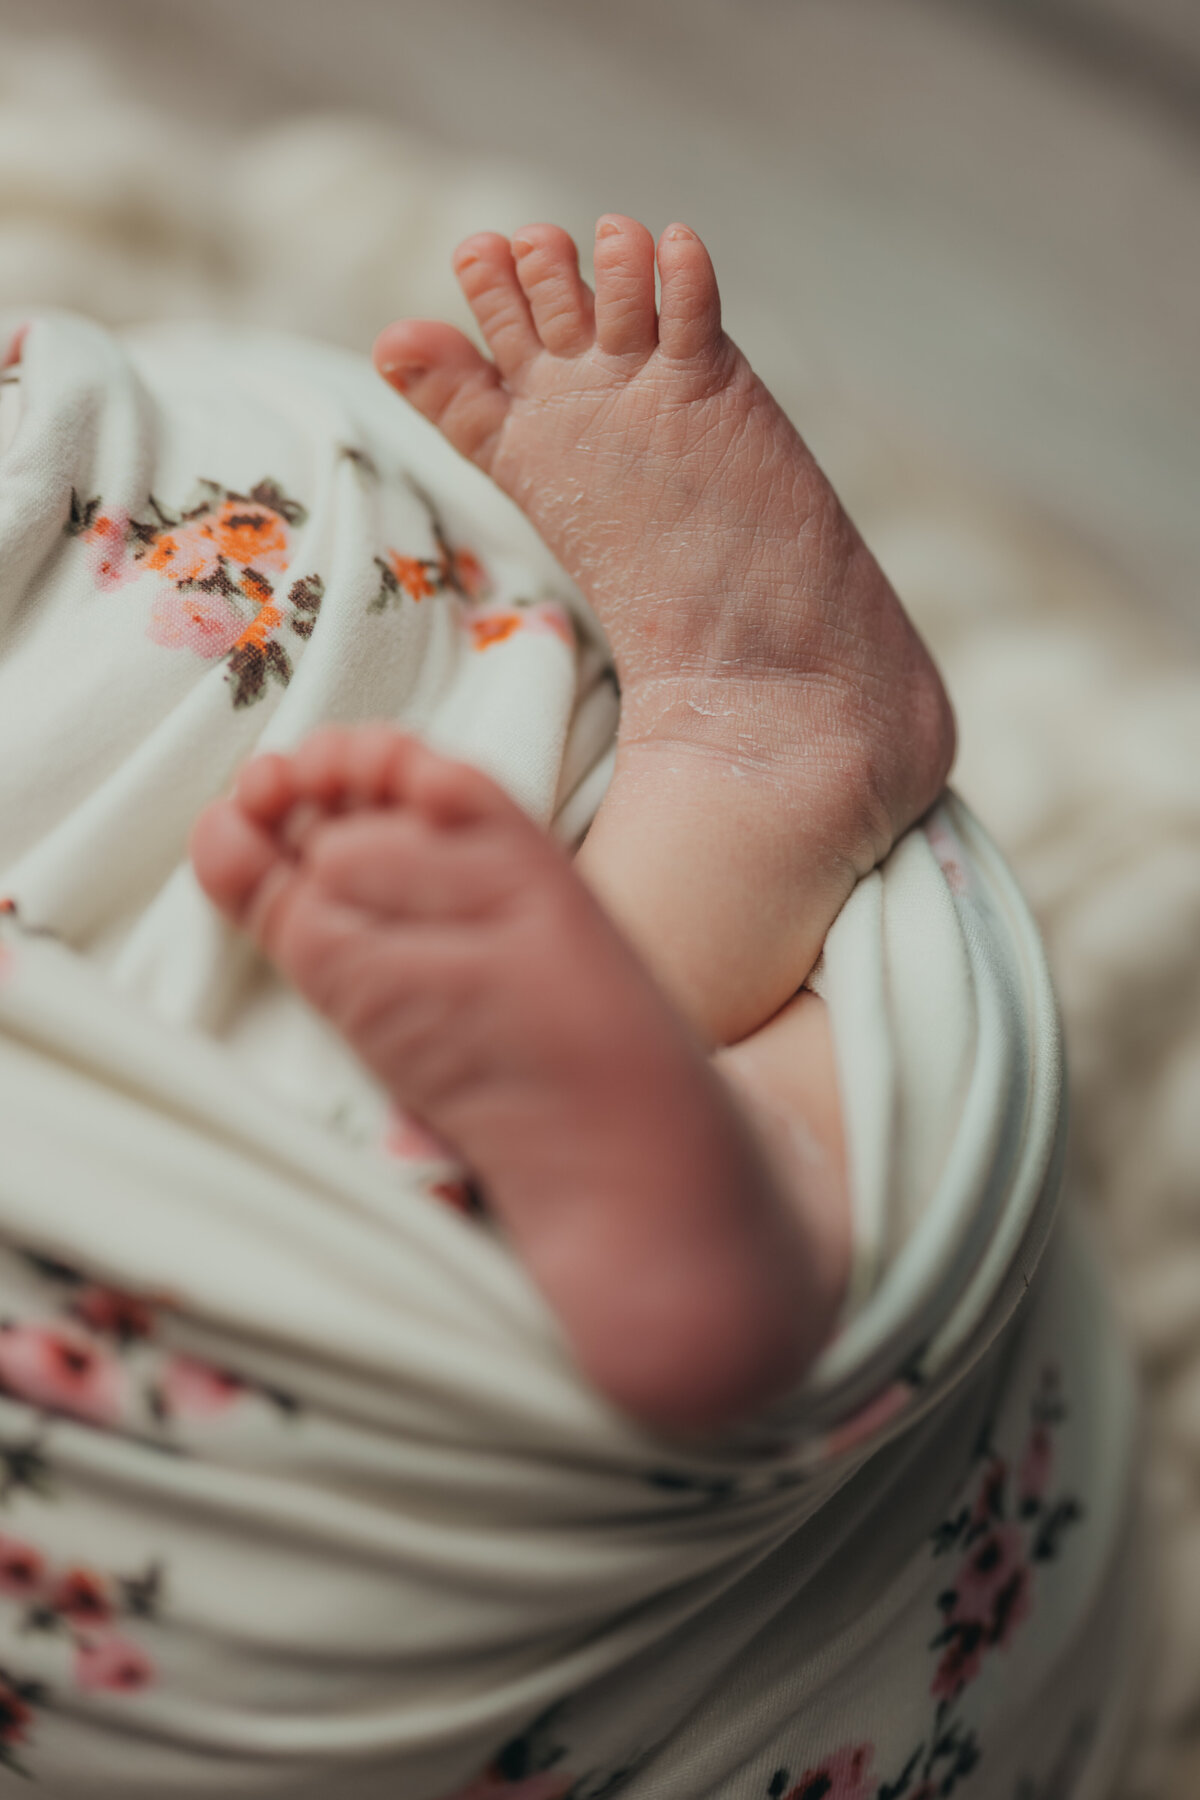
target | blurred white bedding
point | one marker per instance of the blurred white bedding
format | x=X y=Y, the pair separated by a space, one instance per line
x=1080 y=714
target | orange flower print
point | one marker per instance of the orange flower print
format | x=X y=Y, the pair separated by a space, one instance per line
x=236 y=531
x=412 y=575
x=255 y=536
x=420 y=577
x=111 y=1663
x=266 y=619
x=493 y=628
x=188 y=553
x=63 y=1371
x=544 y=618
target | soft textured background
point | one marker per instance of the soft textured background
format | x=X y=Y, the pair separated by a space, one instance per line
x=961 y=239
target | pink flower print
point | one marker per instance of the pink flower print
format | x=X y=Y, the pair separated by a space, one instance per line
x=995 y=1567
x=63 y=1371
x=993 y=1594
x=16 y=345
x=22 y=1569
x=110 y=1663
x=82 y=1597
x=961 y=1660
x=126 y=1317
x=548 y=617
x=846 y=1775
x=205 y=623
x=989 y=1502
x=15 y=1715
x=470 y=574
x=1036 y=1466
x=945 y=847
x=107 y=539
x=196 y=1390
x=535 y=1787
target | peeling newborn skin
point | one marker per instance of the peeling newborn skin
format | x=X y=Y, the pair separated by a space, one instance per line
x=749 y=623
x=687 y=1218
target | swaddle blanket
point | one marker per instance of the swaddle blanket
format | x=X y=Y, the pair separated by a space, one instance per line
x=300 y=1493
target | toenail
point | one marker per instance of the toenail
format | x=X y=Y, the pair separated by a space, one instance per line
x=400 y=374
x=679 y=233
x=607 y=228
x=521 y=246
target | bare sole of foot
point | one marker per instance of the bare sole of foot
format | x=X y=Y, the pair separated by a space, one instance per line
x=782 y=723
x=453 y=946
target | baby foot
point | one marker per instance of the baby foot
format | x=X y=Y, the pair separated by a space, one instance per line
x=451 y=943
x=776 y=702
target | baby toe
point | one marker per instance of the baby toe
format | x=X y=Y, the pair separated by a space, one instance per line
x=626 y=322
x=559 y=299
x=689 y=315
x=372 y=756
x=264 y=788
x=321 y=767
x=487 y=275
x=233 y=857
x=443 y=375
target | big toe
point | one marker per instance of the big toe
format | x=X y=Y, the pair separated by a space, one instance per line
x=440 y=371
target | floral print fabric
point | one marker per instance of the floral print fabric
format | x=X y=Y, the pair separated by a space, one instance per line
x=219 y=558
x=298 y=1489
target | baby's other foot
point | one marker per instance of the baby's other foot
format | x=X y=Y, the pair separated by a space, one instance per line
x=781 y=721
x=451 y=943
